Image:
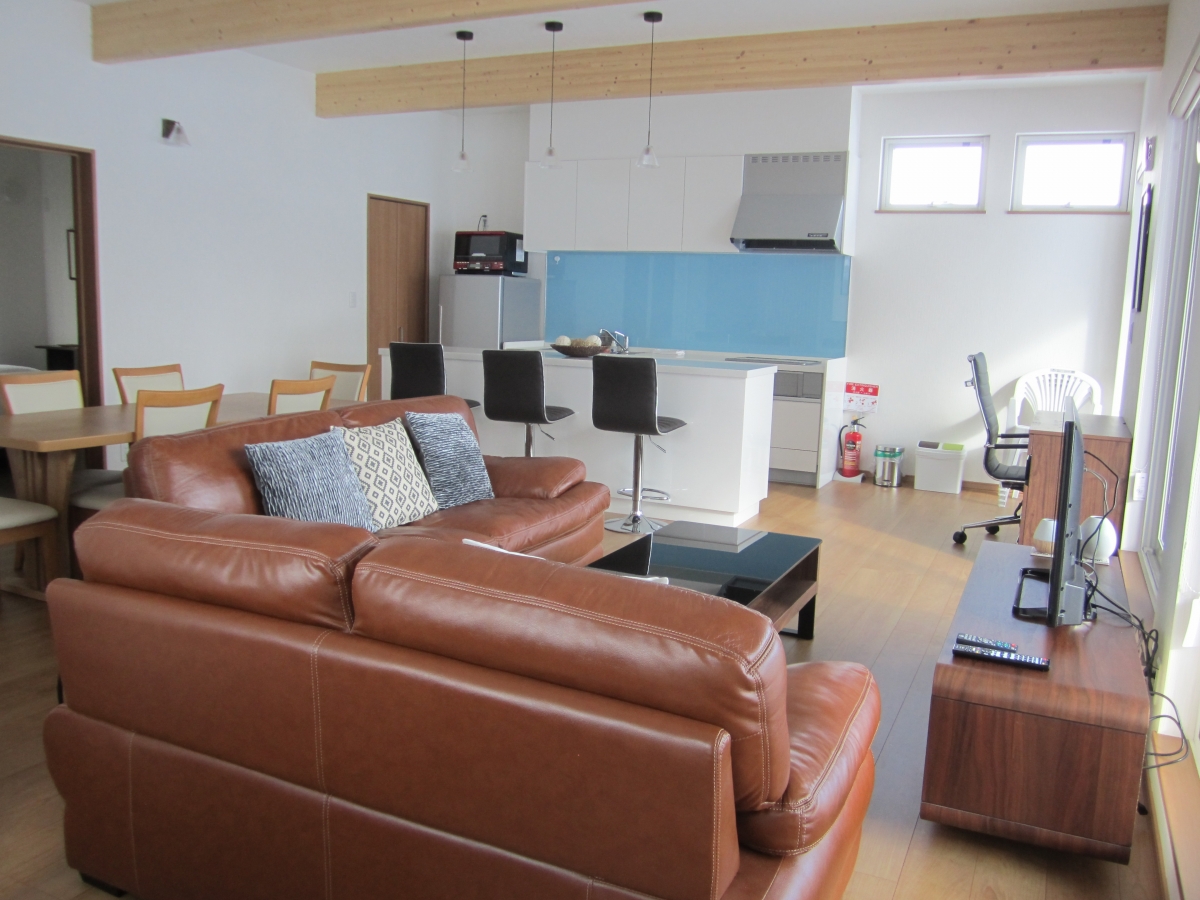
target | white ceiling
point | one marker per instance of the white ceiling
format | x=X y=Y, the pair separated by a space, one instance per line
x=616 y=25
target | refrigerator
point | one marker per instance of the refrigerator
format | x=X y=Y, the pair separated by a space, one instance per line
x=491 y=312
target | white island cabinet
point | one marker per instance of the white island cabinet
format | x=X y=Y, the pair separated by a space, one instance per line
x=715 y=468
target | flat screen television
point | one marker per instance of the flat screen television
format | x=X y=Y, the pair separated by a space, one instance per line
x=1066 y=598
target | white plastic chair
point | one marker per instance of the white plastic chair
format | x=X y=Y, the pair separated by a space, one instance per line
x=1047 y=390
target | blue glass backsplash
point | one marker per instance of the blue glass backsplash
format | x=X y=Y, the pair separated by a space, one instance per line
x=766 y=303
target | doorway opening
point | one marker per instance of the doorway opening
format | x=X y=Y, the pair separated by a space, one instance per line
x=48 y=285
x=397 y=278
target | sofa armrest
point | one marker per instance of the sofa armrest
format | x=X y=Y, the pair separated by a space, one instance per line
x=833 y=711
x=533 y=478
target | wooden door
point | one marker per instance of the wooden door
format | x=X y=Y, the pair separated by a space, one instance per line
x=397 y=278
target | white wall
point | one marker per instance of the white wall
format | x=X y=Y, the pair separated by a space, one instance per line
x=58 y=215
x=1030 y=291
x=22 y=275
x=235 y=255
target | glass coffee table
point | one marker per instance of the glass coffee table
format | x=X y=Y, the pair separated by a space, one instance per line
x=774 y=574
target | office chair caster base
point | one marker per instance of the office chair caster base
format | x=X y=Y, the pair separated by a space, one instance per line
x=960 y=537
x=634 y=524
x=992 y=529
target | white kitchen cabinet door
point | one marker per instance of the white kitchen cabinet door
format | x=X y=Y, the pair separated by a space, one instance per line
x=656 y=206
x=550 y=207
x=712 y=191
x=602 y=205
x=796 y=424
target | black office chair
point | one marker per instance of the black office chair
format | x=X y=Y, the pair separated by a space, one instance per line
x=419 y=370
x=514 y=390
x=1014 y=477
x=625 y=399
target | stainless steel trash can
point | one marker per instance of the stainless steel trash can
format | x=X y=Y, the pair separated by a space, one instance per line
x=888 y=462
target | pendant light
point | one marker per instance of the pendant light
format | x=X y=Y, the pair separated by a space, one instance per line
x=463 y=162
x=649 y=160
x=550 y=159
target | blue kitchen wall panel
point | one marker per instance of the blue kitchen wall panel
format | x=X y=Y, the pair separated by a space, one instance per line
x=767 y=303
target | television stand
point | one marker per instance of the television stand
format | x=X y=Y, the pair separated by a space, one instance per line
x=1048 y=758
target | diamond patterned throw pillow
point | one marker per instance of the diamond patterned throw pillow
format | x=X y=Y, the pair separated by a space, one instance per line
x=390 y=475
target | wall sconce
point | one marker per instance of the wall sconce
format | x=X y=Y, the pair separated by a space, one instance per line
x=173 y=133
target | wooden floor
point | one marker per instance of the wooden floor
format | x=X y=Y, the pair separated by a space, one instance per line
x=890 y=582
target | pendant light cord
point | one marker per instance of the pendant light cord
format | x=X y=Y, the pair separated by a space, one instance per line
x=553 y=47
x=462 y=147
x=650 y=105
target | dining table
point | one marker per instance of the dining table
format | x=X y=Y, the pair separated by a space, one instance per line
x=42 y=449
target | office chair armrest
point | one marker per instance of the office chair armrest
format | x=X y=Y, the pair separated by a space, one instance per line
x=1015 y=434
x=1008 y=445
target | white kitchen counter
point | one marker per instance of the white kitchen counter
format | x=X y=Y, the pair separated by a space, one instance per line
x=715 y=468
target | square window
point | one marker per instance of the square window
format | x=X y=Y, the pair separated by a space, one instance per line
x=942 y=174
x=1072 y=173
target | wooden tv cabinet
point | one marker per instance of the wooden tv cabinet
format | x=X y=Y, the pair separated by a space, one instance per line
x=1049 y=758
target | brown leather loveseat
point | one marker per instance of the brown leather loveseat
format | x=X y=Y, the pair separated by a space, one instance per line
x=543 y=506
x=262 y=708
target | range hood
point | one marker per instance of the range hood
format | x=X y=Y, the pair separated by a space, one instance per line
x=792 y=202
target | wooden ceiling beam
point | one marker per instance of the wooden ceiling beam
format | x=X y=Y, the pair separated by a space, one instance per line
x=150 y=29
x=1088 y=41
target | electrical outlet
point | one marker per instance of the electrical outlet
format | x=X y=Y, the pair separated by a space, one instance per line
x=353 y=299
x=1138 y=492
x=123 y=455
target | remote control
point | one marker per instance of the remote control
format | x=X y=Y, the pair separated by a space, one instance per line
x=975 y=640
x=1002 y=656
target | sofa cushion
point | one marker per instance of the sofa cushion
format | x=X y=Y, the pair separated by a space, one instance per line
x=523 y=525
x=833 y=711
x=388 y=473
x=310 y=480
x=695 y=655
x=298 y=571
x=451 y=457
x=534 y=477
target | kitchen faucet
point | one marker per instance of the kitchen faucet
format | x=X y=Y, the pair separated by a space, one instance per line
x=620 y=342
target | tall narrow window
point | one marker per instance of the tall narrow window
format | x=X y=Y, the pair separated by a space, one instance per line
x=1072 y=173
x=939 y=174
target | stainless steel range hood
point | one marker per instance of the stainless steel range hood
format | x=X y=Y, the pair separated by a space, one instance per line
x=792 y=202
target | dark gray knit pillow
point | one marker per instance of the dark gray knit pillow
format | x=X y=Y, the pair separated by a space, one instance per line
x=451 y=457
x=310 y=479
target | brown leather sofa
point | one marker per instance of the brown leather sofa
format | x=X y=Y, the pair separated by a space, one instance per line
x=543 y=506
x=262 y=708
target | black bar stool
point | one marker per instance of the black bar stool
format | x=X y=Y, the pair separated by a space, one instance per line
x=419 y=370
x=625 y=399
x=514 y=390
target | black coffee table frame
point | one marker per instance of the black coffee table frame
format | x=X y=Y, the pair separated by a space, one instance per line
x=773 y=574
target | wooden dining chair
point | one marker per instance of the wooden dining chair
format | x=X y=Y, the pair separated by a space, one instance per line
x=351 y=380
x=30 y=392
x=158 y=412
x=300 y=396
x=148 y=378
x=34 y=392
x=21 y=521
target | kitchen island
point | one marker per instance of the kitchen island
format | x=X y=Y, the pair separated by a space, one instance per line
x=715 y=468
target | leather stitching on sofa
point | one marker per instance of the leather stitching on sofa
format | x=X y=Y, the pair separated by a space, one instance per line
x=750 y=668
x=337 y=567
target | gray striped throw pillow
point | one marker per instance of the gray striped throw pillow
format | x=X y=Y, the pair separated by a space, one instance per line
x=451 y=457
x=311 y=480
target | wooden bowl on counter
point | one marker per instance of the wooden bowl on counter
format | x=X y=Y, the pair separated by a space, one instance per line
x=579 y=352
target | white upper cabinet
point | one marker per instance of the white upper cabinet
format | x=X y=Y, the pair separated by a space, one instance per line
x=713 y=189
x=550 y=207
x=656 y=206
x=602 y=211
x=612 y=204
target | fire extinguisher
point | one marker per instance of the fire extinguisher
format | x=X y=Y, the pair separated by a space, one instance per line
x=849 y=447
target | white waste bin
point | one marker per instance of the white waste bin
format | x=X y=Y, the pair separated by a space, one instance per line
x=940 y=467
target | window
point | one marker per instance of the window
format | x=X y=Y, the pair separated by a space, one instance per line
x=1072 y=173
x=941 y=174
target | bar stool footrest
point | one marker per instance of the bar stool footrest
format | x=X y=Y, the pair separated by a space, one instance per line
x=648 y=494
